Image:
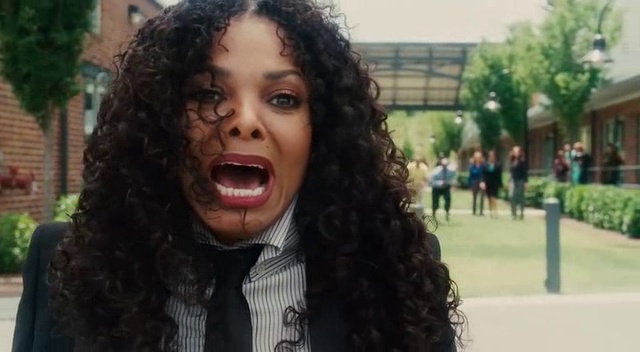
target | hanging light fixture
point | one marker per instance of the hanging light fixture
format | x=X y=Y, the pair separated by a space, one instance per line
x=458 y=119
x=598 y=56
x=492 y=104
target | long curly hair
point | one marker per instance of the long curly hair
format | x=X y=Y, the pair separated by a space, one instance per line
x=131 y=240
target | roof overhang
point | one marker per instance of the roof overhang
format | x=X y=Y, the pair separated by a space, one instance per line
x=417 y=76
x=613 y=94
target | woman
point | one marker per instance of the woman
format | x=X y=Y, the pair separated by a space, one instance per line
x=475 y=178
x=561 y=167
x=492 y=182
x=518 y=184
x=611 y=162
x=243 y=193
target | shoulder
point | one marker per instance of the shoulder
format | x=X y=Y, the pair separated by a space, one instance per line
x=47 y=236
x=434 y=244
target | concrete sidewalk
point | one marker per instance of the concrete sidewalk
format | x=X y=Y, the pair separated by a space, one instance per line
x=553 y=323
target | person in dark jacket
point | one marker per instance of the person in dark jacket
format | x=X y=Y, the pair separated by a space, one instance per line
x=518 y=183
x=492 y=182
x=611 y=163
x=242 y=192
x=560 y=167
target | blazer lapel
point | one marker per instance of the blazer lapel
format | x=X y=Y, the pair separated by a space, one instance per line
x=328 y=331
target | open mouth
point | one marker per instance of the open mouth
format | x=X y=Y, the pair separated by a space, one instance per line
x=242 y=180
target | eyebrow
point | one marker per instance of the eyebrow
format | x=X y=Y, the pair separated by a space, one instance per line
x=278 y=75
x=271 y=75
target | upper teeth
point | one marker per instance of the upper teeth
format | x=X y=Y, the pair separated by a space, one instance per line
x=238 y=164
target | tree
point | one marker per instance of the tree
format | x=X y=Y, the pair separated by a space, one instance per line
x=567 y=34
x=449 y=134
x=40 y=47
x=511 y=70
x=407 y=149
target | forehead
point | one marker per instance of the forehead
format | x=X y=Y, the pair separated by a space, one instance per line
x=252 y=40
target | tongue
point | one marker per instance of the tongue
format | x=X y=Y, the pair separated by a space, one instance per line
x=238 y=177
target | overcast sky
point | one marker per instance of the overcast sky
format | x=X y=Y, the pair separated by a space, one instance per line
x=433 y=20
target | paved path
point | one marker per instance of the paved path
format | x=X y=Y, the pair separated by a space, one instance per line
x=586 y=323
x=554 y=323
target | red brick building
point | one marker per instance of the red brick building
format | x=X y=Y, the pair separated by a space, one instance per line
x=611 y=116
x=21 y=141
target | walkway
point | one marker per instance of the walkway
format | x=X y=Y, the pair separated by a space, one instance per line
x=571 y=323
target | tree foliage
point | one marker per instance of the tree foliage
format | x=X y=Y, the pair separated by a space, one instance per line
x=544 y=58
x=509 y=69
x=449 y=134
x=567 y=34
x=40 y=46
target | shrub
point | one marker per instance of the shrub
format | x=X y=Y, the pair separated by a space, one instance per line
x=534 y=193
x=65 y=207
x=557 y=190
x=631 y=216
x=15 y=234
x=574 y=199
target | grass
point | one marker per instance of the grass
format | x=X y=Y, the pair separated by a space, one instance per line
x=505 y=257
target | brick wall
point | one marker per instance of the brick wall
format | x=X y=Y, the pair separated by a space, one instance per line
x=21 y=141
x=629 y=114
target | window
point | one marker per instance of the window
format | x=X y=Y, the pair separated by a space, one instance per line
x=585 y=137
x=94 y=89
x=96 y=17
x=548 y=152
x=614 y=133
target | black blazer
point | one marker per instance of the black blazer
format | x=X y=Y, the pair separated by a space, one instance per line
x=34 y=331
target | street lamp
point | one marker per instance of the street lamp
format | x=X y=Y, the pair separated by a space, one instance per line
x=598 y=55
x=432 y=139
x=458 y=119
x=492 y=104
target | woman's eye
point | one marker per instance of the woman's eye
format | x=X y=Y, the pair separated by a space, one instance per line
x=209 y=96
x=285 y=100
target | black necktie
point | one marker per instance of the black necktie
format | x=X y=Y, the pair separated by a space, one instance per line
x=228 y=326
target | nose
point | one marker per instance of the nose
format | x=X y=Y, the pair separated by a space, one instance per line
x=245 y=124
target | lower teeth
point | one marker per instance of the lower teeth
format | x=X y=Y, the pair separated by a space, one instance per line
x=233 y=192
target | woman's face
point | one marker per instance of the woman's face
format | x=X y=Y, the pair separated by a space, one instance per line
x=516 y=152
x=477 y=157
x=492 y=157
x=255 y=163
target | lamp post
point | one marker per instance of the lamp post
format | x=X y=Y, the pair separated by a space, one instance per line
x=598 y=55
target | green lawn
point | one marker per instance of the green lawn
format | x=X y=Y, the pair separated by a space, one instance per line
x=505 y=257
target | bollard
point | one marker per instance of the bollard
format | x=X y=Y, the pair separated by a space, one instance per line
x=552 y=210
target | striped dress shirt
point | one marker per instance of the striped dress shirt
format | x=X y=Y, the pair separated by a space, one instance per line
x=277 y=281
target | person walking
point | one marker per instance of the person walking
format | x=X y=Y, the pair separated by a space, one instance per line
x=441 y=181
x=492 y=182
x=519 y=178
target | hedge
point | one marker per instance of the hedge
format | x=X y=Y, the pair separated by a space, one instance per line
x=606 y=207
x=16 y=231
x=15 y=235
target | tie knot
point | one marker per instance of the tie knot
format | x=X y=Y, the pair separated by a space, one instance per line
x=232 y=266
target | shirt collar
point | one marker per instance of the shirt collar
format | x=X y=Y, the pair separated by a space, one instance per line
x=277 y=235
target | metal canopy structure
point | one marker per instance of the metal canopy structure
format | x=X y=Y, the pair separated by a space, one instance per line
x=417 y=76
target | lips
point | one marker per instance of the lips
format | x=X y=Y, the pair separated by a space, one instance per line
x=241 y=180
